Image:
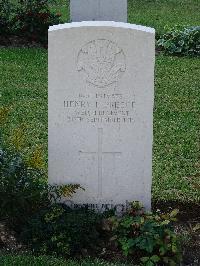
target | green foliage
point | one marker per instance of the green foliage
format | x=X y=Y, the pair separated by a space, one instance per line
x=181 y=42
x=148 y=236
x=24 y=190
x=59 y=230
x=21 y=190
x=30 y=19
x=6 y=23
x=33 y=19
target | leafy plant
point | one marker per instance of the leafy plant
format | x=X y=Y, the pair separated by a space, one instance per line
x=62 y=231
x=6 y=22
x=148 y=236
x=24 y=190
x=181 y=42
x=27 y=18
x=33 y=19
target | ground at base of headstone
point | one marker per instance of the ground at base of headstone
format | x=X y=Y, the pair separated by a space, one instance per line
x=188 y=227
x=191 y=248
x=18 y=42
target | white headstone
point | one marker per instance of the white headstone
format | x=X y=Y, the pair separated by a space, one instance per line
x=98 y=10
x=101 y=91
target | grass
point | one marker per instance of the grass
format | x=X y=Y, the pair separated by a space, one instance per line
x=159 y=14
x=176 y=158
x=62 y=6
x=23 y=84
x=176 y=129
x=24 y=260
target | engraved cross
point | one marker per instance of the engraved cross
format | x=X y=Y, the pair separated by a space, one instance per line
x=100 y=154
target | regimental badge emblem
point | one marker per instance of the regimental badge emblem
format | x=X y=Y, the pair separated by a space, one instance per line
x=101 y=62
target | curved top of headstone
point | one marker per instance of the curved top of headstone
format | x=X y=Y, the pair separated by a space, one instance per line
x=102 y=24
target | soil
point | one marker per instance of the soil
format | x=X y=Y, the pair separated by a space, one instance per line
x=187 y=210
x=18 y=42
x=188 y=226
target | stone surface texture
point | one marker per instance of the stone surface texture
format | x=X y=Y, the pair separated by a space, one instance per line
x=98 y=10
x=101 y=94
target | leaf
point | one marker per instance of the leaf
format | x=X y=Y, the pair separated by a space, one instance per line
x=155 y=258
x=162 y=250
x=166 y=259
x=174 y=213
x=196 y=227
x=172 y=262
x=144 y=259
x=113 y=238
x=174 y=248
x=131 y=242
x=149 y=263
x=166 y=222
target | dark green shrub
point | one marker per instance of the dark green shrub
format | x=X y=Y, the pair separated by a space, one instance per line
x=6 y=21
x=147 y=236
x=33 y=19
x=27 y=18
x=21 y=189
x=60 y=230
x=24 y=190
x=181 y=42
